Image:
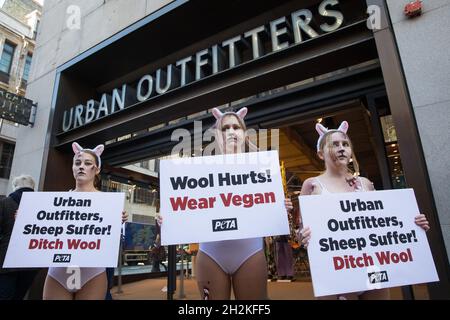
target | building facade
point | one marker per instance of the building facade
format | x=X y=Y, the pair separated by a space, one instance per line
x=421 y=43
x=128 y=75
x=18 y=24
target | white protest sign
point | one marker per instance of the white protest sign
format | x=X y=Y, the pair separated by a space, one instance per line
x=57 y=229
x=365 y=240
x=224 y=197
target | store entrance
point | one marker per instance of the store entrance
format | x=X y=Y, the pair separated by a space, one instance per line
x=373 y=136
x=299 y=159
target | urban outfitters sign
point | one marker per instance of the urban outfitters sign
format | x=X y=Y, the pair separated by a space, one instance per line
x=280 y=34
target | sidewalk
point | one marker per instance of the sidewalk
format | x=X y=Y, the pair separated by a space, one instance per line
x=152 y=289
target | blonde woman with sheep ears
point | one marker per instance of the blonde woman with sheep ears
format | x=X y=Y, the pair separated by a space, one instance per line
x=240 y=264
x=232 y=264
x=86 y=167
x=335 y=148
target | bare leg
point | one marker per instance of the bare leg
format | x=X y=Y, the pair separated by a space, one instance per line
x=53 y=290
x=94 y=289
x=379 y=294
x=211 y=277
x=250 y=280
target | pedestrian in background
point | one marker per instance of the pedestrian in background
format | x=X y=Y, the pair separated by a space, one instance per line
x=14 y=283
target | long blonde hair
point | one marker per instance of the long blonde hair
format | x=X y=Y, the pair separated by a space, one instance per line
x=326 y=141
x=218 y=129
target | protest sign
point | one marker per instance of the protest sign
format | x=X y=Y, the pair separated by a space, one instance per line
x=224 y=197
x=57 y=229
x=365 y=240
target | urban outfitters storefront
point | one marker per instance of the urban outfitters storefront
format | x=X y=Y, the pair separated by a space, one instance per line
x=289 y=62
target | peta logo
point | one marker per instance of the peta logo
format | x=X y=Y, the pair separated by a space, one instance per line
x=224 y=224
x=59 y=257
x=377 y=277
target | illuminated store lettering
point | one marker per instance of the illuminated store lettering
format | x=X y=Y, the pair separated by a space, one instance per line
x=278 y=34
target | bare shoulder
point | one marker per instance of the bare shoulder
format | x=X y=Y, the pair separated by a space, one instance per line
x=308 y=186
x=367 y=184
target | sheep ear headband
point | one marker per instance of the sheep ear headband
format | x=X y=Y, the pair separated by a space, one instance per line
x=322 y=131
x=219 y=114
x=98 y=150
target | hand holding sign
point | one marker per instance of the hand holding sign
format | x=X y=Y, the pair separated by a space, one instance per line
x=305 y=234
x=421 y=221
x=365 y=240
x=288 y=204
x=124 y=216
x=67 y=228
x=159 y=220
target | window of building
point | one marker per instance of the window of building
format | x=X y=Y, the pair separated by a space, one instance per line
x=7 y=57
x=392 y=152
x=143 y=219
x=157 y=163
x=6 y=158
x=35 y=31
x=26 y=68
x=109 y=185
x=144 y=196
x=145 y=164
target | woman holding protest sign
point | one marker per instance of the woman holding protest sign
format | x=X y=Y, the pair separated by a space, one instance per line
x=335 y=149
x=237 y=263
x=74 y=283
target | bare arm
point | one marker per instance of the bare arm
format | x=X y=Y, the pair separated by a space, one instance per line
x=367 y=184
x=307 y=187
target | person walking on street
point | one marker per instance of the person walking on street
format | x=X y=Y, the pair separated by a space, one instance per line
x=14 y=283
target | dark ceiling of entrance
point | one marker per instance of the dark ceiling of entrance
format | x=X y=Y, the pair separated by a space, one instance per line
x=298 y=141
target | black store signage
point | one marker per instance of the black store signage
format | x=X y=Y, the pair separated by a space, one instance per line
x=279 y=34
x=15 y=108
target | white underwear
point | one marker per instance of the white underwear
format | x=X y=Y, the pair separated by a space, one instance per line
x=231 y=254
x=61 y=275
